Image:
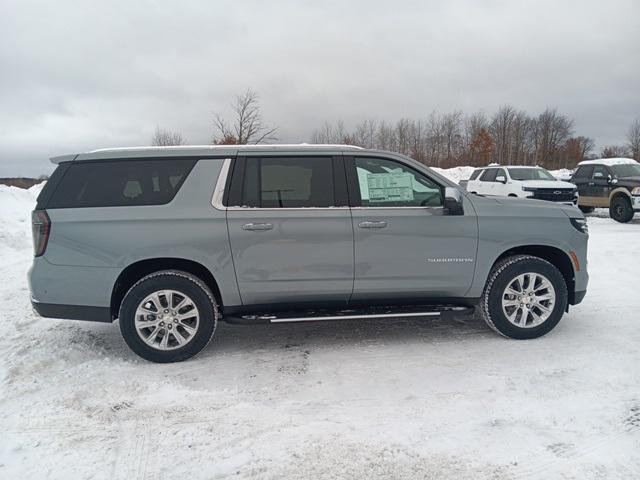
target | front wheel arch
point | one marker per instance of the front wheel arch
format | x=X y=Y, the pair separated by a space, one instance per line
x=539 y=288
x=555 y=256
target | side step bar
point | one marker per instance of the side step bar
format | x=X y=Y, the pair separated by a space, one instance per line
x=351 y=314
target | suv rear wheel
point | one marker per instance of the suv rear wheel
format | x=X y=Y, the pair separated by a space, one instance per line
x=525 y=297
x=621 y=209
x=168 y=316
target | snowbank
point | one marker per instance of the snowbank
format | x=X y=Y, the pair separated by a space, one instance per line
x=455 y=174
x=15 y=215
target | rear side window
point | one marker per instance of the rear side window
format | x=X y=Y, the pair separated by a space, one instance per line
x=289 y=182
x=489 y=175
x=584 y=172
x=120 y=183
x=475 y=174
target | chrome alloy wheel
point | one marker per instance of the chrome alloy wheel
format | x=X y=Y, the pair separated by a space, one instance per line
x=167 y=319
x=528 y=300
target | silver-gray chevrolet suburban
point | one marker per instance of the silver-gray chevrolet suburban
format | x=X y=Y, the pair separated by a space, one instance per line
x=170 y=240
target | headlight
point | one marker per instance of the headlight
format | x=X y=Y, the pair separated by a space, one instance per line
x=529 y=189
x=635 y=191
x=580 y=224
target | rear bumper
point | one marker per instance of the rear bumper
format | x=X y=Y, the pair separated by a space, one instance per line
x=72 y=312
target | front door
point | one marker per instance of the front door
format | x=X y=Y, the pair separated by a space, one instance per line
x=582 y=179
x=290 y=230
x=405 y=247
x=599 y=187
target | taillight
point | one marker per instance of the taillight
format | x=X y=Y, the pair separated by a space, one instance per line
x=41 y=227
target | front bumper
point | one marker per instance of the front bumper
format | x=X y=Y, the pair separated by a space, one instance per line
x=578 y=297
x=635 y=202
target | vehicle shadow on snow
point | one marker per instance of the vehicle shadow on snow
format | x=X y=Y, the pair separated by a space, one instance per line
x=230 y=339
x=604 y=213
x=234 y=339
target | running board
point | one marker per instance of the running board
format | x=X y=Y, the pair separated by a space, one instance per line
x=352 y=314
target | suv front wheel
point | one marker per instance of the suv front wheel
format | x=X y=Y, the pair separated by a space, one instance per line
x=168 y=316
x=525 y=297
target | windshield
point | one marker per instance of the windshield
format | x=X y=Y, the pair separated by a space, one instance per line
x=530 y=174
x=626 y=170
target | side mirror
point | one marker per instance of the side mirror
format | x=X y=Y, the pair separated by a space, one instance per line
x=501 y=179
x=453 y=201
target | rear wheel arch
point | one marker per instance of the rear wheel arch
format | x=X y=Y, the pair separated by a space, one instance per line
x=555 y=256
x=138 y=270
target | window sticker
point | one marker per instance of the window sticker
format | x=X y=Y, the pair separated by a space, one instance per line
x=390 y=187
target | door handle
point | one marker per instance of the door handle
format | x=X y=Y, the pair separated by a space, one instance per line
x=257 y=227
x=378 y=224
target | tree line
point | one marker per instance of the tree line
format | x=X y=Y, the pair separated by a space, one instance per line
x=508 y=136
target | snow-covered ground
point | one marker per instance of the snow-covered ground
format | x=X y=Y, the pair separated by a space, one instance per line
x=356 y=399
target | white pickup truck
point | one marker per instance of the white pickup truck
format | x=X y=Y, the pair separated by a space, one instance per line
x=521 y=181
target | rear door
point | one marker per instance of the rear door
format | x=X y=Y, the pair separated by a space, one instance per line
x=487 y=181
x=405 y=247
x=290 y=229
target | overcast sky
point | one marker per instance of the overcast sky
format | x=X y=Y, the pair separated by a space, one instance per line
x=76 y=76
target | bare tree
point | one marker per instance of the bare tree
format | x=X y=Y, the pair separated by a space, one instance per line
x=449 y=139
x=551 y=131
x=452 y=126
x=576 y=149
x=165 y=138
x=247 y=125
x=501 y=131
x=331 y=134
x=633 y=139
x=614 y=151
x=365 y=134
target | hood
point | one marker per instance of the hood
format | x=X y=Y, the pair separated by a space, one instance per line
x=628 y=181
x=527 y=207
x=546 y=184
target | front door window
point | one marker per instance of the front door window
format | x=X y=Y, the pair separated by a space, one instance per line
x=385 y=183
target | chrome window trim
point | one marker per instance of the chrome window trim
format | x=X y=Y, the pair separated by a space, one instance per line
x=218 y=192
x=397 y=208
x=251 y=209
x=218 y=195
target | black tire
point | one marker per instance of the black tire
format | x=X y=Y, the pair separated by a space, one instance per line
x=584 y=209
x=501 y=275
x=179 y=281
x=620 y=209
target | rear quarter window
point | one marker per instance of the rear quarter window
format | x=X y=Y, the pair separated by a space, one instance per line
x=120 y=183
